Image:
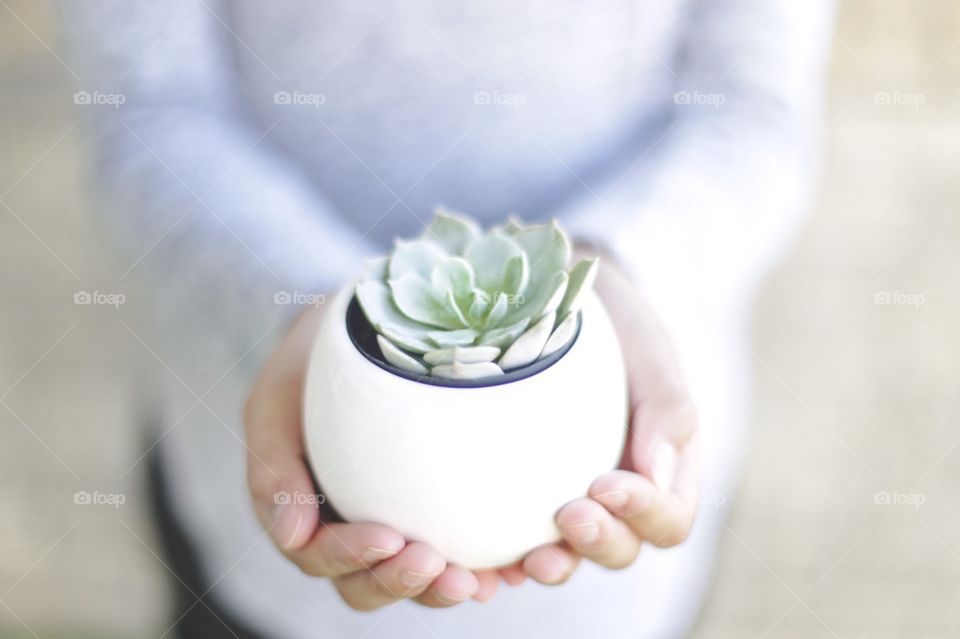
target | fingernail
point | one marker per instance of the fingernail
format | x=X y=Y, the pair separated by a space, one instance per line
x=448 y=599
x=559 y=576
x=287 y=521
x=372 y=554
x=664 y=465
x=585 y=533
x=414 y=579
x=614 y=499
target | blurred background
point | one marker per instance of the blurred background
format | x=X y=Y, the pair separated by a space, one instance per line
x=846 y=524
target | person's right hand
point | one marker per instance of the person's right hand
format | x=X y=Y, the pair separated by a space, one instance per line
x=371 y=565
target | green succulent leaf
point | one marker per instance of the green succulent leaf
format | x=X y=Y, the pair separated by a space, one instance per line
x=462 y=354
x=453 y=274
x=417 y=300
x=512 y=226
x=489 y=256
x=376 y=269
x=558 y=284
x=462 y=298
x=444 y=339
x=527 y=348
x=547 y=248
x=479 y=303
x=540 y=300
x=561 y=335
x=452 y=231
x=504 y=336
x=548 y=252
x=457 y=370
x=498 y=311
x=582 y=276
x=377 y=304
x=416 y=257
x=398 y=358
x=455 y=309
x=407 y=339
x=374 y=299
x=516 y=275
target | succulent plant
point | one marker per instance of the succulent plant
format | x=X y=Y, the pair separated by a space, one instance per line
x=460 y=303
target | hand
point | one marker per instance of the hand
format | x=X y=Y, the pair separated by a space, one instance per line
x=371 y=565
x=653 y=495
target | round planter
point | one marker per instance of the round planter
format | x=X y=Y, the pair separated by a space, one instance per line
x=477 y=472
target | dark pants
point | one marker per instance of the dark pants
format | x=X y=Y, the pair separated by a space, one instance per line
x=196 y=620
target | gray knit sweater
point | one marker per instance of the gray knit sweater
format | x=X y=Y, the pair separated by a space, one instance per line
x=249 y=149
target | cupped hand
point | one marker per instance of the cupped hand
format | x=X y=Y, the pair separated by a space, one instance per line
x=652 y=497
x=371 y=565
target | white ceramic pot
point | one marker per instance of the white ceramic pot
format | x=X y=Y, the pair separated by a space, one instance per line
x=477 y=473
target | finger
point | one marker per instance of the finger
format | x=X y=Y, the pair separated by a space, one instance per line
x=488 y=583
x=338 y=549
x=280 y=484
x=551 y=564
x=661 y=428
x=406 y=575
x=284 y=497
x=513 y=575
x=662 y=518
x=595 y=533
x=282 y=489
x=455 y=585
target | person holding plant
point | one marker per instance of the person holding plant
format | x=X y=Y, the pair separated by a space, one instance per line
x=263 y=150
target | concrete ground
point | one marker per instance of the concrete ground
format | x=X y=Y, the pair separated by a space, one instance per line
x=846 y=524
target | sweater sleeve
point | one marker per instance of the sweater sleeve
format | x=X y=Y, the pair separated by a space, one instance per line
x=705 y=204
x=217 y=220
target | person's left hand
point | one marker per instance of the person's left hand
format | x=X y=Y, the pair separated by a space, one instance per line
x=652 y=497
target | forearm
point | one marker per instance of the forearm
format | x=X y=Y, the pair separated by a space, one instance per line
x=705 y=204
x=201 y=203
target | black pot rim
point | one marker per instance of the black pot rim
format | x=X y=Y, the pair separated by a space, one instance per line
x=364 y=339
